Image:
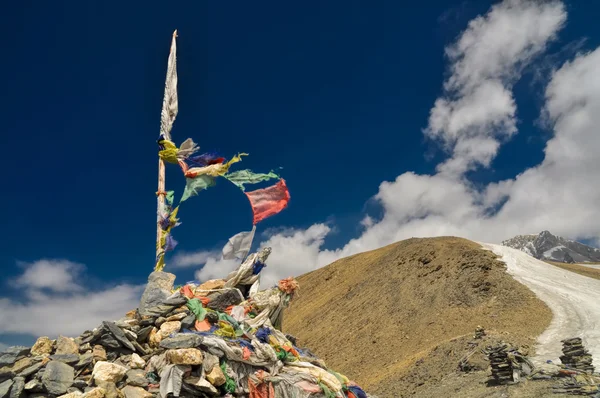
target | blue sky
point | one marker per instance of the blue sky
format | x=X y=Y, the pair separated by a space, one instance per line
x=389 y=121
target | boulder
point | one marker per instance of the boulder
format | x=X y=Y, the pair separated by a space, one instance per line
x=8 y=359
x=135 y=392
x=5 y=388
x=118 y=334
x=201 y=384
x=19 y=350
x=17 y=388
x=74 y=394
x=22 y=364
x=34 y=385
x=143 y=333
x=108 y=372
x=136 y=377
x=99 y=353
x=6 y=373
x=225 y=299
x=181 y=340
x=58 y=377
x=203 y=289
x=216 y=376
x=97 y=392
x=111 y=390
x=157 y=290
x=167 y=328
x=32 y=369
x=42 y=346
x=185 y=356
x=65 y=358
x=136 y=362
x=66 y=345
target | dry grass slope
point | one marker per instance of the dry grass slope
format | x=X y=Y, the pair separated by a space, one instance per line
x=397 y=319
x=578 y=269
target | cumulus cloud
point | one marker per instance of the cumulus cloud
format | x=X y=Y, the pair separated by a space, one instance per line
x=474 y=116
x=54 y=275
x=477 y=109
x=55 y=300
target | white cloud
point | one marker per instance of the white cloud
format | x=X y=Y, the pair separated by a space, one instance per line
x=56 y=301
x=54 y=275
x=477 y=109
x=193 y=259
x=472 y=119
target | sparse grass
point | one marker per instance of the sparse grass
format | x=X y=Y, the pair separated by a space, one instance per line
x=397 y=319
x=578 y=269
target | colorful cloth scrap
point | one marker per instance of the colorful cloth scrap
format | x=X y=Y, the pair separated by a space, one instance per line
x=268 y=201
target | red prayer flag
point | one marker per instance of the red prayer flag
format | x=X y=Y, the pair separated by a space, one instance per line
x=268 y=201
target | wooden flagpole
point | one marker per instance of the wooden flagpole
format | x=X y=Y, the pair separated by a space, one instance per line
x=168 y=114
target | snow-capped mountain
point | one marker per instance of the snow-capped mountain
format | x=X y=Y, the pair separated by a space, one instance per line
x=546 y=246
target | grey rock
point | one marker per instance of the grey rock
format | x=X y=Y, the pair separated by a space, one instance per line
x=8 y=359
x=80 y=384
x=5 y=388
x=31 y=370
x=18 y=350
x=159 y=321
x=188 y=321
x=143 y=334
x=159 y=310
x=118 y=334
x=34 y=386
x=108 y=341
x=139 y=348
x=85 y=360
x=40 y=373
x=6 y=374
x=17 y=388
x=176 y=301
x=73 y=389
x=58 y=377
x=136 y=377
x=181 y=340
x=65 y=358
x=111 y=390
x=65 y=345
x=157 y=290
x=37 y=395
x=85 y=347
x=229 y=297
x=94 y=336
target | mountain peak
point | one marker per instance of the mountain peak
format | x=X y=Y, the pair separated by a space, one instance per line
x=546 y=246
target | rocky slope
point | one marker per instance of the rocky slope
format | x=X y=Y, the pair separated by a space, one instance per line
x=399 y=319
x=548 y=247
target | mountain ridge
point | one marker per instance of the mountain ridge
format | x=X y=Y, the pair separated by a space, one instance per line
x=548 y=247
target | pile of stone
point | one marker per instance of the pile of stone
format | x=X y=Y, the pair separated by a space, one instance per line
x=581 y=384
x=154 y=351
x=575 y=356
x=508 y=364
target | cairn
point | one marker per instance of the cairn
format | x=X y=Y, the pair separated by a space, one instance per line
x=508 y=364
x=575 y=356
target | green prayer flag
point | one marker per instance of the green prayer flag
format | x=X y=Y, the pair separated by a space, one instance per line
x=241 y=177
x=197 y=184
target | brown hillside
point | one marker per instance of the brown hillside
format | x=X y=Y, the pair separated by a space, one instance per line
x=397 y=319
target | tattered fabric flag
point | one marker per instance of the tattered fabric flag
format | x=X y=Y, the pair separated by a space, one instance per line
x=206 y=159
x=214 y=170
x=168 y=151
x=170 y=103
x=239 y=245
x=170 y=243
x=268 y=201
x=195 y=185
x=239 y=178
x=170 y=220
x=187 y=149
x=169 y=197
